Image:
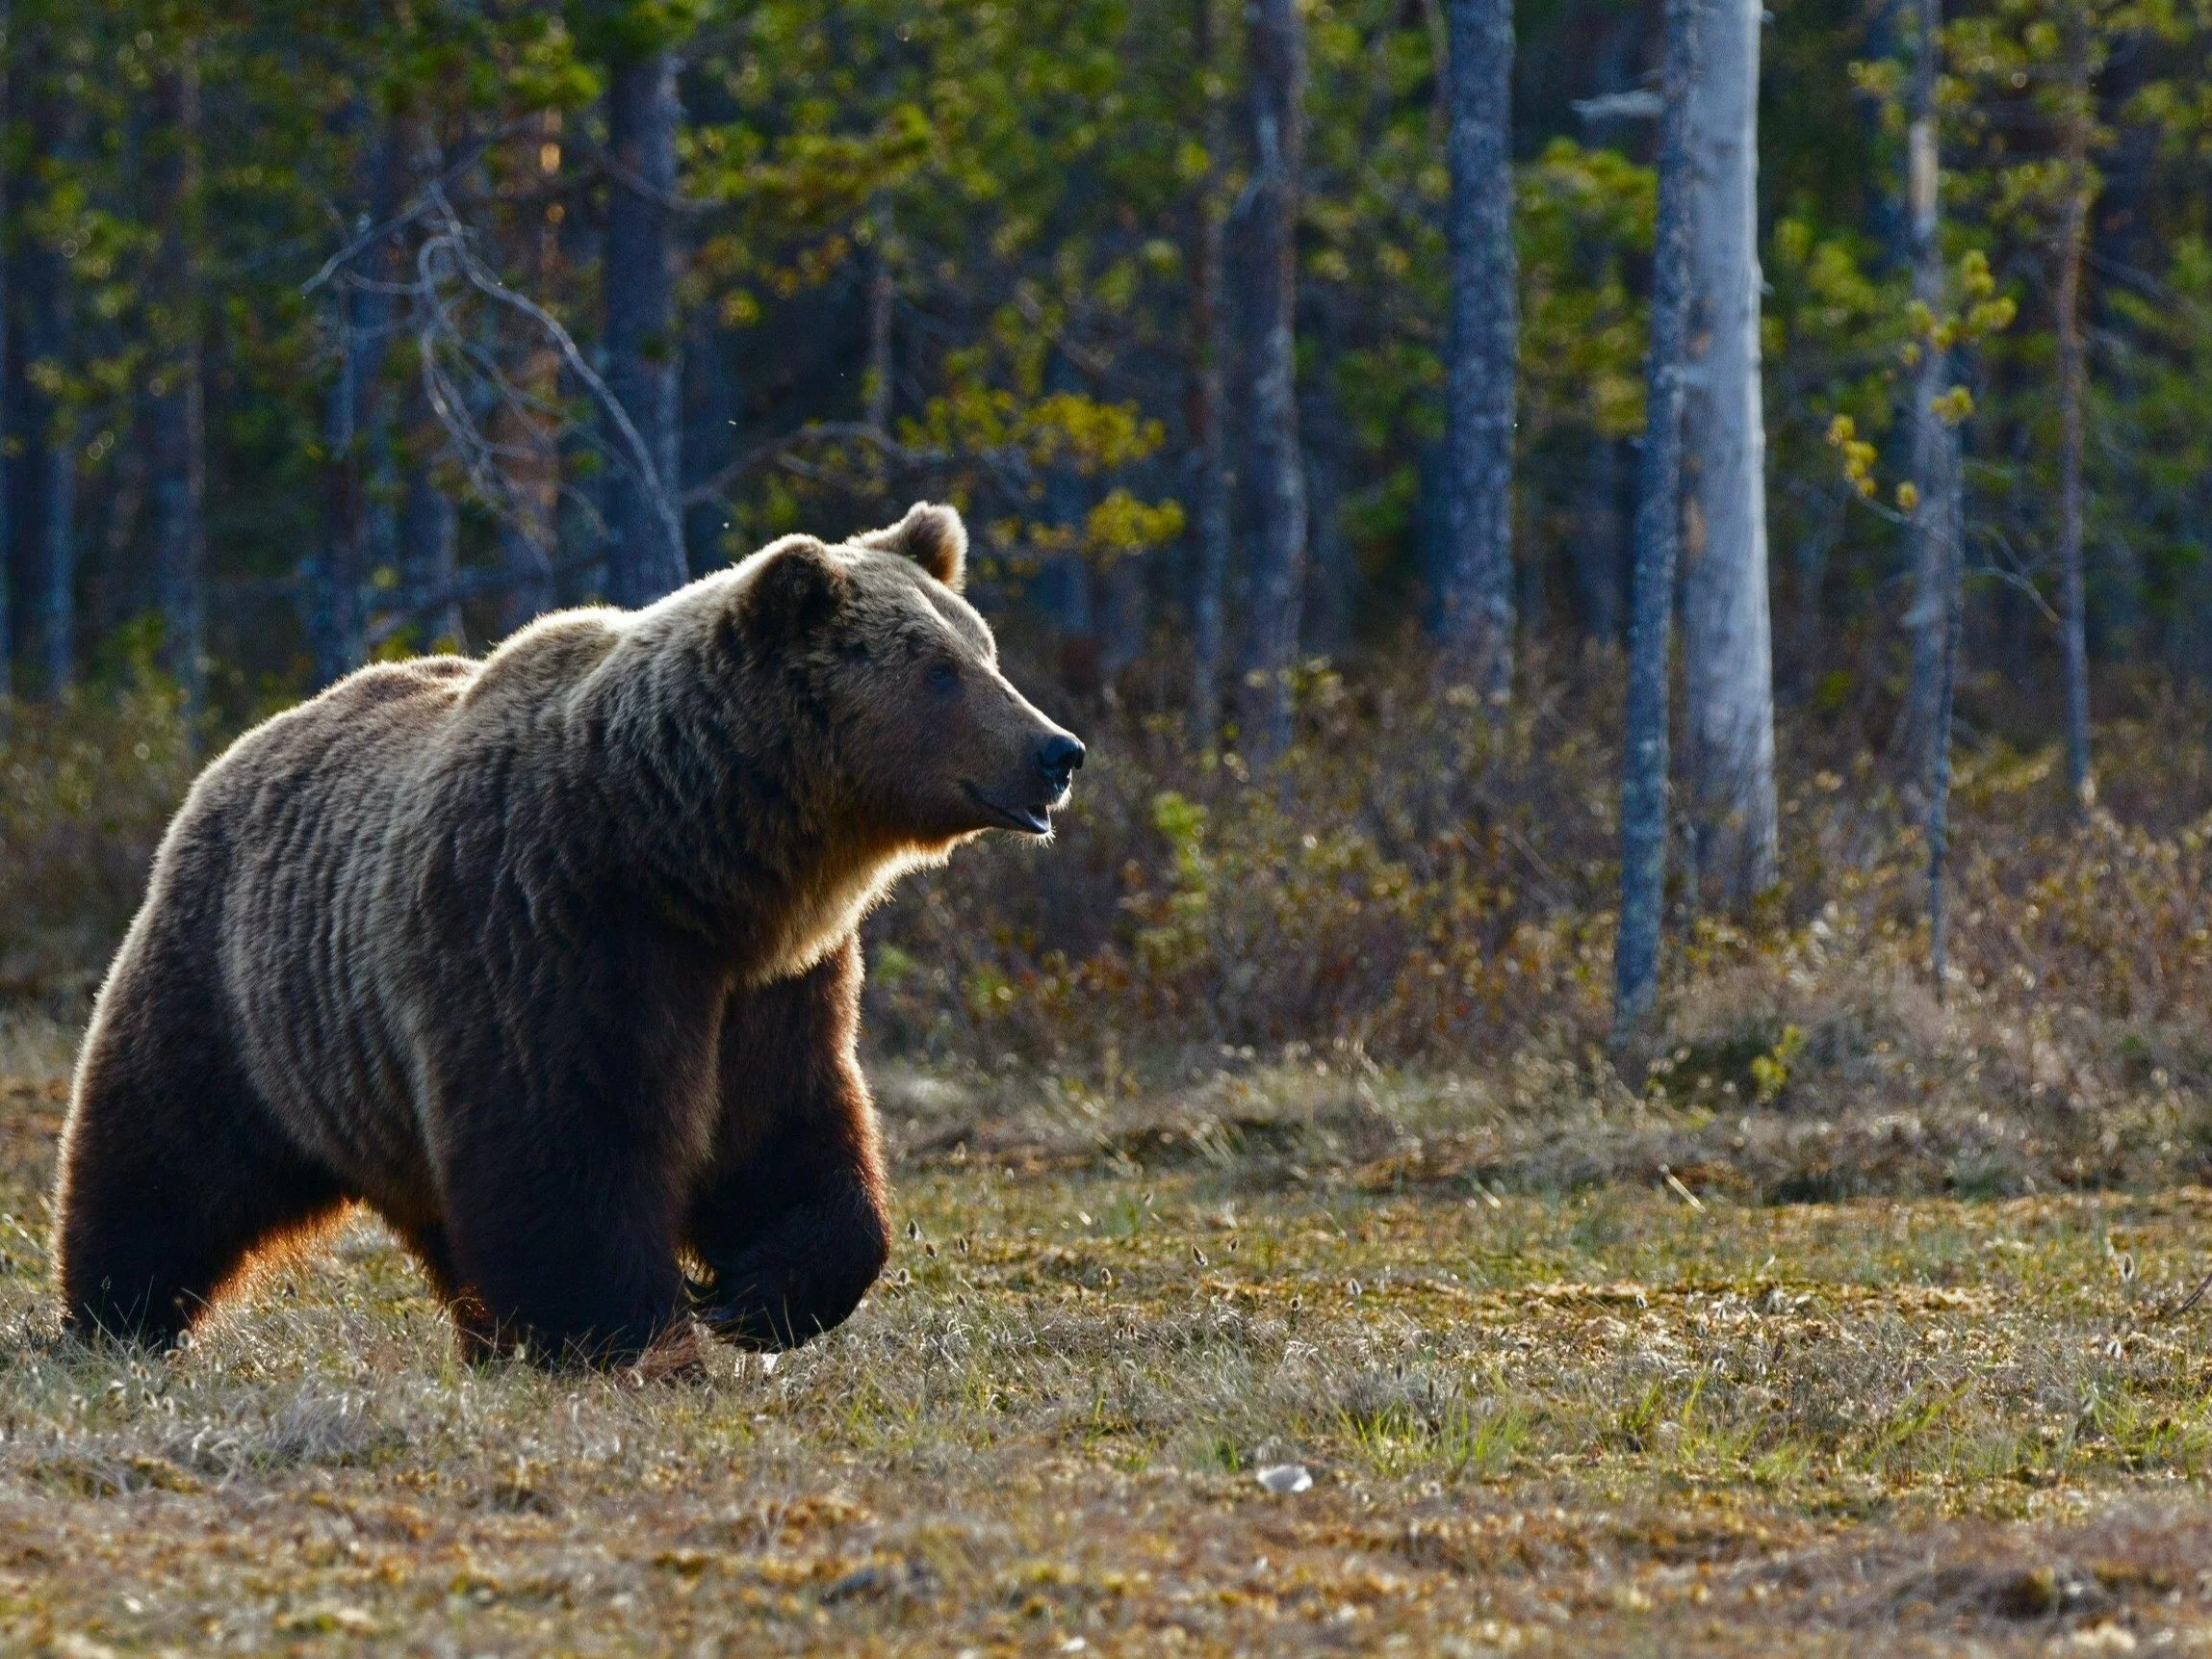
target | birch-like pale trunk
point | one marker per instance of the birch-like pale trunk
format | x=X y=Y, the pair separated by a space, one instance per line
x=1657 y=536
x=1728 y=653
x=638 y=295
x=1278 y=546
x=1484 y=347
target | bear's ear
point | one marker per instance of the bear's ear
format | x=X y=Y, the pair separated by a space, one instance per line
x=798 y=587
x=932 y=535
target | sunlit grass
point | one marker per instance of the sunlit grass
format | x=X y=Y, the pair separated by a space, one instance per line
x=1572 y=1420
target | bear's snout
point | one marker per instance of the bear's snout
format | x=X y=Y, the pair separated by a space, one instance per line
x=1057 y=759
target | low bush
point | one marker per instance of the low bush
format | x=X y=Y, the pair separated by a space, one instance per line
x=86 y=783
x=1424 y=885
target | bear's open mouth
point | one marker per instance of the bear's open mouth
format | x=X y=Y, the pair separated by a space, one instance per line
x=1030 y=821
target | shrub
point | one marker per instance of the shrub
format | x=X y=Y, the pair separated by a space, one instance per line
x=86 y=783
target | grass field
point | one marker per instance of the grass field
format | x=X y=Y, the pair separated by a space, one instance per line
x=1627 y=1415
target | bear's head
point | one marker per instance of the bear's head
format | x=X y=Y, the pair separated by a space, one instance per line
x=874 y=638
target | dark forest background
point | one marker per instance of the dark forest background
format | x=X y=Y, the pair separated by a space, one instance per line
x=1293 y=364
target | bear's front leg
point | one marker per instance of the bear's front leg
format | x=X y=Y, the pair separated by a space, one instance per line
x=792 y=1219
x=563 y=1197
x=563 y=1265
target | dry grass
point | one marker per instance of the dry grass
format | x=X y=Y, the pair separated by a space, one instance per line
x=1538 y=1417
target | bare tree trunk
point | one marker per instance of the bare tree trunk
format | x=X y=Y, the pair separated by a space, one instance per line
x=51 y=419
x=178 y=444
x=1935 y=440
x=1209 y=450
x=353 y=540
x=429 y=523
x=1120 y=620
x=429 y=537
x=334 y=620
x=1596 y=544
x=530 y=531
x=2071 y=375
x=1331 y=570
x=1939 y=767
x=1657 y=535
x=1325 y=617
x=1484 y=347
x=57 y=532
x=1938 y=553
x=6 y=530
x=1728 y=652
x=882 y=297
x=639 y=294
x=1278 y=546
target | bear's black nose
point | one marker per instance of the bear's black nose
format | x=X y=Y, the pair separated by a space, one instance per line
x=1058 y=758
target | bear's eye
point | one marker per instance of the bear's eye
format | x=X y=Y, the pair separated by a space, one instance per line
x=943 y=676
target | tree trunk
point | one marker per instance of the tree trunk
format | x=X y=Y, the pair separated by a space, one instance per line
x=57 y=532
x=1120 y=616
x=1278 y=545
x=1822 y=530
x=51 y=422
x=1938 y=605
x=7 y=528
x=354 y=539
x=1658 y=533
x=1483 y=349
x=881 y=297
x=1326 y=614
x=334 y=620
x=1596 y=543
x=1935 y=441
x=177 y=446
x=430 y=527
x=1209 y=449
x=1330 y=571
x=429 y=537
x=529 y=529
x=1939 y=767
x=1728 y=654
x=2071 y=375
x=639 y=294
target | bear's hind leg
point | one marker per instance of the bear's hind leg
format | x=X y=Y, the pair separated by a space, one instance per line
x=172 y=1175
x=433 y=1252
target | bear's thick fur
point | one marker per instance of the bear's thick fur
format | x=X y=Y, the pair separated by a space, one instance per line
x=550 y=959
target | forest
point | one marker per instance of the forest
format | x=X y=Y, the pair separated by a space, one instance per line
x=1270 y=357
x=1610 y=1052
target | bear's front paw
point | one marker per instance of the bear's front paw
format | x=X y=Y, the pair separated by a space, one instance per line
x=763 y=1311
x=768 y=1305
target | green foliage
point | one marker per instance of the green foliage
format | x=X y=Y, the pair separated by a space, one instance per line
x=625 y=31
x=87 y=786
x=1584 y=215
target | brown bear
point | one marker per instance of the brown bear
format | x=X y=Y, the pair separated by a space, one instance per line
x=550 y=958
